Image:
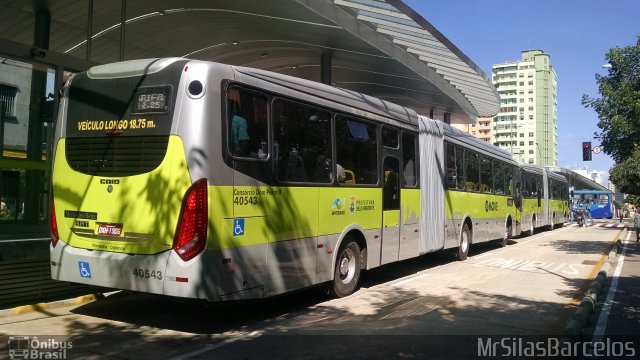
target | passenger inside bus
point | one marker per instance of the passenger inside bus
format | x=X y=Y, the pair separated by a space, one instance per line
x=295 y=167
x=238 y=128
x=391 y=193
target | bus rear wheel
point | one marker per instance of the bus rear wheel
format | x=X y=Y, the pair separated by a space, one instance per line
x=465 y=243
x=507 y=235
x=347 y=270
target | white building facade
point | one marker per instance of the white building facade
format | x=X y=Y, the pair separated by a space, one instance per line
x=527 y=122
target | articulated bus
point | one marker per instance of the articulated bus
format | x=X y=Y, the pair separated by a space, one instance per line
x=203 y=180
x=545 y=198
x=598 y=201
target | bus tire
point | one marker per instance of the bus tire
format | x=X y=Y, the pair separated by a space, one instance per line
x=507 y=235
x=465 y=243
x=532 y=230
x=347 y=269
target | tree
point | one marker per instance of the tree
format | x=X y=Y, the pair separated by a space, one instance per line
x=618 y=111
x=626 y=174
x=633 y=199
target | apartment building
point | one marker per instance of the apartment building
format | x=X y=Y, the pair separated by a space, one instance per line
x=482 y=129
x=526 y=124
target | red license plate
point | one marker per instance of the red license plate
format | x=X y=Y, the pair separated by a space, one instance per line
x=109 y=229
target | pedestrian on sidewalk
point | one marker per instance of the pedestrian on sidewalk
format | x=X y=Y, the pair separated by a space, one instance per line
x=636 y=222
x=621 y=214
x=587 y=211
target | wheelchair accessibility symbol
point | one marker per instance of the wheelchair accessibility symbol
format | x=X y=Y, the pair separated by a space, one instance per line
x=85 y=270
x=238 y=227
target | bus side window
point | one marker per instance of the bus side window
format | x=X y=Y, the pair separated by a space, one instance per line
x=247 y=123
x=460 y=178
x=498 y=177
x=409 y=171
x=451 y=167
x=472 y=170
x=391 y=190
x=304 y=146
x=508 y=179
x=357 y=149
x=486 y=175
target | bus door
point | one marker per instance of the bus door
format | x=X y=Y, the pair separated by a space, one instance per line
x=516 y=191
x=390 y=210
x=540 y=217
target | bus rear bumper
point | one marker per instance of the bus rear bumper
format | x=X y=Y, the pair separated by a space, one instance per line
x=163 y=273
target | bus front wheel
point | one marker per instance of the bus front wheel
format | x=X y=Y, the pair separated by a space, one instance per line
x=532 y=230
x=465 y=243
x=347 y=270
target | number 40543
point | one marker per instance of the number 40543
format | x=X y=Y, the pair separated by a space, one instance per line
x=147 y=274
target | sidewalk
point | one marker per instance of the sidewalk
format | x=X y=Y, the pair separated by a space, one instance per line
x=618 y=313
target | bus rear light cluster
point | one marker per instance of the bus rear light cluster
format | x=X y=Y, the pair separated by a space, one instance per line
x=191 y=233
x=54 y=226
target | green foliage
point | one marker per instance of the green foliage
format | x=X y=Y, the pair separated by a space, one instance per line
x=633 y=199
x=618 y=111
x=626 y=174
x=619 y=107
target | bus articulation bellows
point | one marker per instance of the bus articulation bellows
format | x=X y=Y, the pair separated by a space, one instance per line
x=203 y=180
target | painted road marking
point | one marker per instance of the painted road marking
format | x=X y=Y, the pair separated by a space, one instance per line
x=598 y=333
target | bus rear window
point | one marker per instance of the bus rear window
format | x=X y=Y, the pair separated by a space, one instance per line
x=123 y=106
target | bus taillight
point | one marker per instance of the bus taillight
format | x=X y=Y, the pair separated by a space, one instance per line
x=54 y=226
x=191 y=233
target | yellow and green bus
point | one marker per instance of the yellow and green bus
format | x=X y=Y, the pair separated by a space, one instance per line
x=545 y=198
x=204 y=180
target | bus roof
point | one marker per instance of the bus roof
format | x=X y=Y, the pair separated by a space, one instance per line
x=337 y=95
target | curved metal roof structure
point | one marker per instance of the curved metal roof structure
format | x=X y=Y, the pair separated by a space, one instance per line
x=576 y=180
x=380 y=48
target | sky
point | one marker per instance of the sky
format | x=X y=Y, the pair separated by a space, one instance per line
x=575 y=33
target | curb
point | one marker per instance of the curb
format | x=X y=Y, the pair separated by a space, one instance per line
x=42 y=307
x=581 y=318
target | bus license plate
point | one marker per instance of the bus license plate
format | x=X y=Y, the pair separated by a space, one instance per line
x=109 y=229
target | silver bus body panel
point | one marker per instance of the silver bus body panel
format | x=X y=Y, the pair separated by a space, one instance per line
x=198 y=122
x=409 y=237
x=291 y=265
x=116 y=270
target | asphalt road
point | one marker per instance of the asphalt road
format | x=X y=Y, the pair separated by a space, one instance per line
x=430 y=307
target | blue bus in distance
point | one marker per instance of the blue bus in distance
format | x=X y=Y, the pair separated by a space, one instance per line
x=598 y=202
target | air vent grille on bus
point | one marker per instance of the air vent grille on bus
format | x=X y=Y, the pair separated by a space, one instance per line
x=116 y=156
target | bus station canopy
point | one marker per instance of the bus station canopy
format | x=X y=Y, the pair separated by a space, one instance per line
x=380 y=48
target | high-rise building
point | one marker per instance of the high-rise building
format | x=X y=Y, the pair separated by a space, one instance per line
x=527 y=122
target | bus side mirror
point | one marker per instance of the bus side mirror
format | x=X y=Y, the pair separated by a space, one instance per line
x=571 y=193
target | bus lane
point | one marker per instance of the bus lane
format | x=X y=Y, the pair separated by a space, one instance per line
x=525 y=292
x=419 y=307
x=530 y=287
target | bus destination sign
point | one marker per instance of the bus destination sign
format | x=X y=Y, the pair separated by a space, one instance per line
x=152 y=100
